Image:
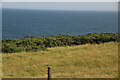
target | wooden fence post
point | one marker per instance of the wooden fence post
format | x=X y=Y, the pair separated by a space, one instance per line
x=49 y=73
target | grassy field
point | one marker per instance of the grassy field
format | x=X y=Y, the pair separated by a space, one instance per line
x=83 y=61
x=0 y=65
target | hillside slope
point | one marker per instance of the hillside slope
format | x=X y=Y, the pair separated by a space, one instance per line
x=83 y=61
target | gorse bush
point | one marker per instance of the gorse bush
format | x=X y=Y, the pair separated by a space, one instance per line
x=42 y=43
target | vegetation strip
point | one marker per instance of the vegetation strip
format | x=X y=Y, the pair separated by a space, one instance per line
x=42 y=43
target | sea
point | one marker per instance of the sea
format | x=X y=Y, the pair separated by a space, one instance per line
x=18 y=23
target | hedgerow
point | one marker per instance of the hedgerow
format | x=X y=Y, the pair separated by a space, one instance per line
x=42 y=43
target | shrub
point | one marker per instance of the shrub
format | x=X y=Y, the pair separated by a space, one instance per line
x=42 y=43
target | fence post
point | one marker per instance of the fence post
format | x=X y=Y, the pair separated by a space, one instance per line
x=49 y=74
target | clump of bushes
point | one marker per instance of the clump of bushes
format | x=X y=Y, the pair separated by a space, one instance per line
x=42 y=43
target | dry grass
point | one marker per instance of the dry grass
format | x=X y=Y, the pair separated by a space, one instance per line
x=83 y=61
x=0 y=65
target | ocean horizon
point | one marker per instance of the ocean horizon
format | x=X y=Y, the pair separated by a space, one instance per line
x=17 y=23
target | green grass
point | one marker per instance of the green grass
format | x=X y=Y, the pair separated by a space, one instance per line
x=83 y=61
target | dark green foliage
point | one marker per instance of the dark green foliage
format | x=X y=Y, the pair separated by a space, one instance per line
x=35 y=44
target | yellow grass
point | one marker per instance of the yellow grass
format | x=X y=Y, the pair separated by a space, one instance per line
x=83 y=61
x=0 y=65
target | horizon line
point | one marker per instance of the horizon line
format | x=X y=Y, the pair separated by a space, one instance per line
x=56 y=9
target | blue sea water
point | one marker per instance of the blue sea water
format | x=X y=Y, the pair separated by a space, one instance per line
x=19 y=23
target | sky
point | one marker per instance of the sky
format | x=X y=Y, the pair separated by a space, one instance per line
x=59 y=0
x=95 y=6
